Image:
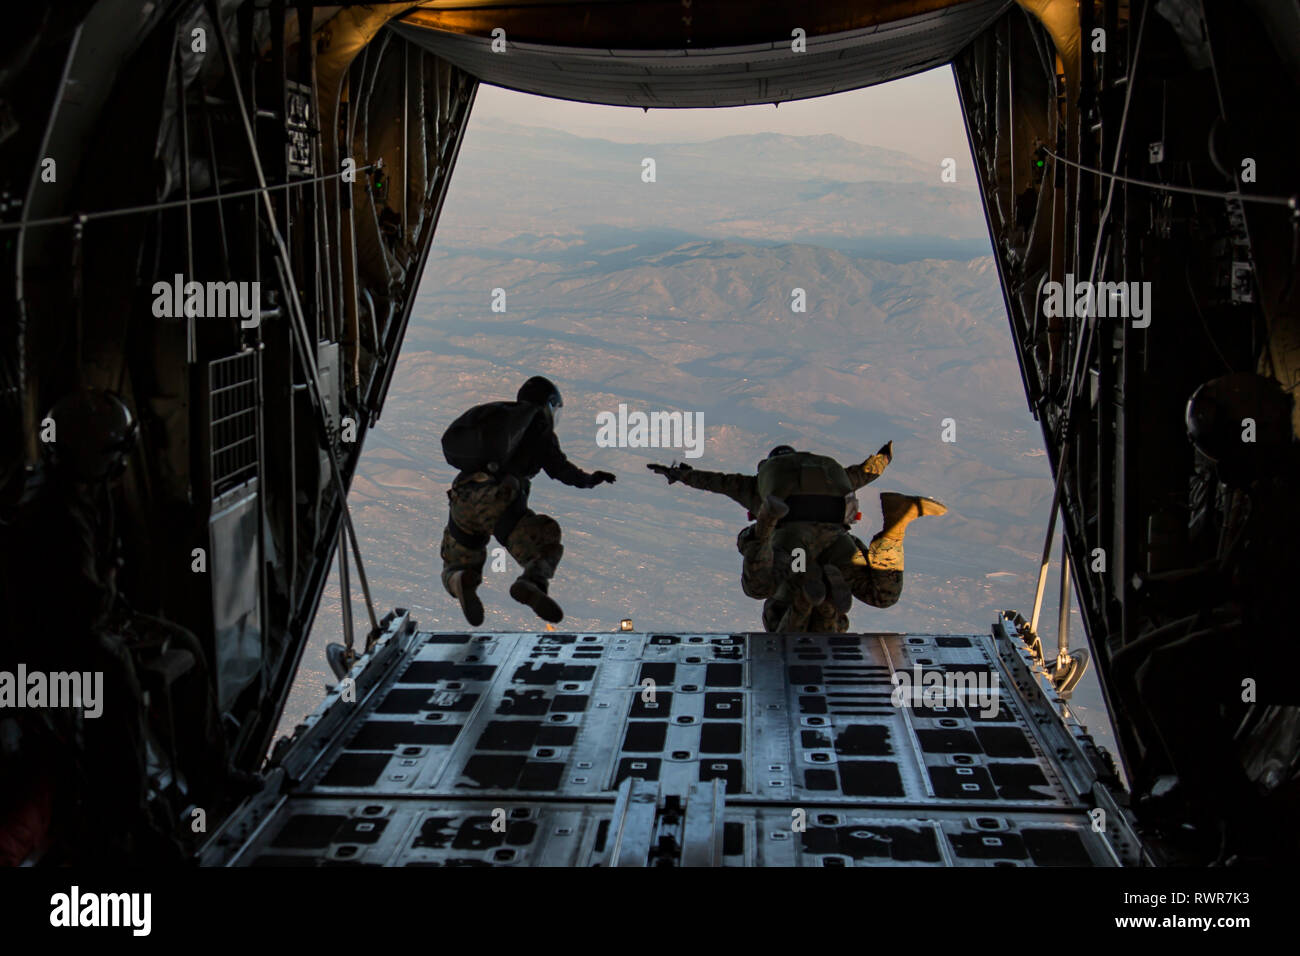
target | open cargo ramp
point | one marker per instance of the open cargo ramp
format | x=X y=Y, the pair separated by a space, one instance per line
x=551 y=749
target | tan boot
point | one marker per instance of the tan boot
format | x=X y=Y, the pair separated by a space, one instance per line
x=900 y=510
x=886 y=550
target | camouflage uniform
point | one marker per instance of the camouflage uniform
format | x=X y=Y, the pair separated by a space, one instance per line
x=865 y=569
x=823 y=619
x=874 y=573
x=501 y=447
x=482 y=506
x=874 y=578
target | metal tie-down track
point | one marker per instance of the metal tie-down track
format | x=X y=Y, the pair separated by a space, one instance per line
x=552 y=749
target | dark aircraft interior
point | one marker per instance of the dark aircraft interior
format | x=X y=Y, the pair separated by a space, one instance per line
x=177 y=534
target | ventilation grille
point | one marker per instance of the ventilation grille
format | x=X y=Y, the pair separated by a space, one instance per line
x=232 y=416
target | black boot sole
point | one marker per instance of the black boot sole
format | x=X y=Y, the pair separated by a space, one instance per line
x=543 y=605
x=470 y=605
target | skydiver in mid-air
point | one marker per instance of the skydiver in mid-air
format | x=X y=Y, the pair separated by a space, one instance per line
x=799 y=555
x=499 y=448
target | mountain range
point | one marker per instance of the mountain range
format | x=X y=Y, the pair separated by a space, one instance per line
x=679 y=295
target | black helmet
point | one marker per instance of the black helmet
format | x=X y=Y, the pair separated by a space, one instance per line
x=94 y=434
x=541 y=391
x=778 y=450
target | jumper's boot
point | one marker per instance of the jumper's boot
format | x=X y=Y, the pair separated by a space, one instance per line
x=532 y=592
x=811 y=586
x=463 y=586
x=824 y=619
x=839 y=595
x=795 y=619
x=807 y=590
x=773 y=612
x=772 y=511
x=886 y=550
x=755 y=544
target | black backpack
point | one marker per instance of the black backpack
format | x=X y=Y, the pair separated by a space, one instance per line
x=487 y=436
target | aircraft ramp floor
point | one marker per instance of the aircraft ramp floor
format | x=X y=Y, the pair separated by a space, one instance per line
x=617 y=749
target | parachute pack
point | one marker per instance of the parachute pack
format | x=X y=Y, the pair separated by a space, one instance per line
x=803 y=473
x=486 y=437
x=815 y=487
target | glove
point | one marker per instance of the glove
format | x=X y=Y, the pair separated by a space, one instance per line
x=877 y=463
x=599 y=477
x=671 y=472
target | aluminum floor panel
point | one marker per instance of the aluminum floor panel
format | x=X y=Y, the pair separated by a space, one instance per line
x=579 y=749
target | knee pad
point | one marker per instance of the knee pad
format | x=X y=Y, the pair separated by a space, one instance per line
x=546 y=527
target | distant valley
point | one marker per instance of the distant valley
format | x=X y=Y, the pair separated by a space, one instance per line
x=676 y=295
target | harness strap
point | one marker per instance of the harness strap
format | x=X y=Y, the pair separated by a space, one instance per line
x=823 y=509
x=475 y=541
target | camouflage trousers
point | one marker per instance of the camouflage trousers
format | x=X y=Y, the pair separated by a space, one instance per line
x=481 y=507
x=823 y=619
x=873 y=573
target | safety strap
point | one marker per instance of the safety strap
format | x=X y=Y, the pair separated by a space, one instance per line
x=475 y=541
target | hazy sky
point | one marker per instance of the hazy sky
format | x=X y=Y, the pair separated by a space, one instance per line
x=918 y=115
